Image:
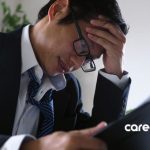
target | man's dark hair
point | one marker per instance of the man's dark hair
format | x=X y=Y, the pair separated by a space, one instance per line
x=88 y=9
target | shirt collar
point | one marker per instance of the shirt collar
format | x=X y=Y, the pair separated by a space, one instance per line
x=29 y=61
x=28 y=56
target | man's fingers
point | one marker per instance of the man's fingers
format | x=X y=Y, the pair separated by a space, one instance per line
x=85 y=138
x=103 y=34
x=94 y=130
x=103 y=42
x=112 y=28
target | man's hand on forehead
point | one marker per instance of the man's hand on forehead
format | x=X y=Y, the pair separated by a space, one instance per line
x=108 y=35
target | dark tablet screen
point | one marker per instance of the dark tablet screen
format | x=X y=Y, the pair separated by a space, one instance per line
x=131 y=132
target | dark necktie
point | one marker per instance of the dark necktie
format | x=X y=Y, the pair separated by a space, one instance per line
x=45 y=106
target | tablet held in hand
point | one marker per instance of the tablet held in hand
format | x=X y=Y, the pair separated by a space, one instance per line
x=131 y=132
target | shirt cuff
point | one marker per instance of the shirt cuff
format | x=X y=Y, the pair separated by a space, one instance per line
x=121 y=83
x=14 y=142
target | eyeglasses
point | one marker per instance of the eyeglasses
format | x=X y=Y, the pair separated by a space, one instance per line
x=82 y=49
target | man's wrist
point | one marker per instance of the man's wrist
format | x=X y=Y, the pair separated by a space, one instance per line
x=119 y=73
x=121 y=83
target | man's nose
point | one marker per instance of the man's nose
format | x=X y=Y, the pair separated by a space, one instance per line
x=78 y=61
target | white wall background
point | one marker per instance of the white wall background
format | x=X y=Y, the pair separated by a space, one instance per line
x=137 y=56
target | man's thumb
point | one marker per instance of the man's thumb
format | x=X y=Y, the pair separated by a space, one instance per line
x=94 y=130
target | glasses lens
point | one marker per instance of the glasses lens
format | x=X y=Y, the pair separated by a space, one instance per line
x=88 y=65
x=81 y=47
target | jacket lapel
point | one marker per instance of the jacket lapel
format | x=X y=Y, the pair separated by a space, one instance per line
x=10 y=71
x=64 y=107
x=60 y=105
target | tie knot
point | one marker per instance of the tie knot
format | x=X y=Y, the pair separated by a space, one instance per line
x=33 y=88
x=32 y=75
x=33 y=85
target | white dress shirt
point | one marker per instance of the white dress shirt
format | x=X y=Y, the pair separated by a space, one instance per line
x=27 y=115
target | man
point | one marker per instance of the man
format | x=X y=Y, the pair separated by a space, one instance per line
x=36 y=60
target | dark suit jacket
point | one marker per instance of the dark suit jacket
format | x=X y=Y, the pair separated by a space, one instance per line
x=109 y=100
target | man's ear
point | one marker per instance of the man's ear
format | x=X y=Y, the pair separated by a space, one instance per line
x=59 y=9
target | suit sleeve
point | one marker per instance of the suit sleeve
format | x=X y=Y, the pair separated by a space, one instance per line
x=109 y=103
